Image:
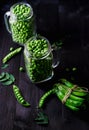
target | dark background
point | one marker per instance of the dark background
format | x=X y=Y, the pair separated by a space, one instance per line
x=65 y=20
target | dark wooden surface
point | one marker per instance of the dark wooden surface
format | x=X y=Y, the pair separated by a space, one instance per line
x=72 y=27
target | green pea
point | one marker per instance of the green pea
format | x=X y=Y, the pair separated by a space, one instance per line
x=11 y=48
x=21 y=69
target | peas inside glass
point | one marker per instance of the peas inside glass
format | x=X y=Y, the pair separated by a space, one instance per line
x=38 y=59
x=22 y=23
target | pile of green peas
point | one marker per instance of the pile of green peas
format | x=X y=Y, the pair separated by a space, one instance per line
x=37 y=47
x=22 y=11
x=22 y=23
x=39 y=62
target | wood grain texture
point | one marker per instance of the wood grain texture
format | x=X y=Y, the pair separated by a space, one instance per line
x=75 y=53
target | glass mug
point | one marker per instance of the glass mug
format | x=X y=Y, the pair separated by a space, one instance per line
x=39 y=67
x=20 y=22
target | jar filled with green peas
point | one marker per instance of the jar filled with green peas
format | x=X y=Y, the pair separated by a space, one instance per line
x=20 y=22
x=38 y=59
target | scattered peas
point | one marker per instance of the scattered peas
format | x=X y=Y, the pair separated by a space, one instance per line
x=22 y=22
x=11 y=48
x=74 y=69
x=39 y=62
x=71 y=69
x=21 y=69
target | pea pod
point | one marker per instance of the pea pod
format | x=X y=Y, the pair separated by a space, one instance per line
x=79 y=91
x=19 y=96
x=75 y=101
x=72 y=97
x=44 y=98
x=69 y=101
x=71 y=106
x=11 y=54
x=67 y=83
x=61 y=87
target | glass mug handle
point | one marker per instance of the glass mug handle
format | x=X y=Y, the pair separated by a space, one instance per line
x=55 y=57
x=6 y=19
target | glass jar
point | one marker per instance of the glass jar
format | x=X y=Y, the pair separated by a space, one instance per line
x=39 y=59
x=20 y=22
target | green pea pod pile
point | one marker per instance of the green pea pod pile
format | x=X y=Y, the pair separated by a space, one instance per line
x=73 y=96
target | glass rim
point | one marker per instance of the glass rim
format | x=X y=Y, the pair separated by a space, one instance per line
x=47 y=52
x=19 y=3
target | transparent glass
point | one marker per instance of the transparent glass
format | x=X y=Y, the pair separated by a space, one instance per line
x=21 y=26
x=39 y=69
